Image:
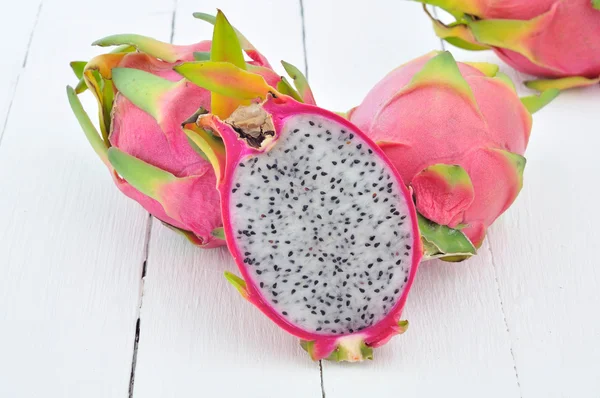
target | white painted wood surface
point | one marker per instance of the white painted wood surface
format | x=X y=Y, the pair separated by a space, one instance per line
x=519 y=321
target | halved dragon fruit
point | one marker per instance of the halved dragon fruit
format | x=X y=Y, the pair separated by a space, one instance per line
x=320 y=224
x=141 y=140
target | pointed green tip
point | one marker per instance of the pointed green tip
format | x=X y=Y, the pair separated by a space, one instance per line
x=289 y=68
x=142 y=176
x=444 y=58
x=440 y=241
x=596 y=4
x=78 y=67
x=81 y=86
x=142 y=88
x=453 y=174
x=237 y=282
x=284 y=87
x=112 y=40
x=300 y=82
x=506 y=80
x=211 y=19
x=534 y=103
x=309 y=347
x=92 y=135
x=443 y=70
x=519 y=162
x=225 y=43
x=205 y=17
x=148 y=45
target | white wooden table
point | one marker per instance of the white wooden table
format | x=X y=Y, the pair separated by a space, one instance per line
x=99 y=300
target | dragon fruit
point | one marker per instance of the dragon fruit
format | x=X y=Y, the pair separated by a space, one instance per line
x=317 y=219
x=142 y=142
x=553 y=39
x=320 y=224
x=457 y=134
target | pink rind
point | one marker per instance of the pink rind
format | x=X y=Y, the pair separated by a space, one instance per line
x=281 y=109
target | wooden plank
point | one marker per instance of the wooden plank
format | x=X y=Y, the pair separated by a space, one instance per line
x=198 y=337
x=457 y=342
x=18 y=26
x=549 y=275
x=71 y=245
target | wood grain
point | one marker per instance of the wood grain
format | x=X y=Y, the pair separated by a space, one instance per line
x=18 y=31
x=71 y=245
x=518 y=321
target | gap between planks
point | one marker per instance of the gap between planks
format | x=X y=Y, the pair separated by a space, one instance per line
x=146 y=250
x=512 y=353
x=500 y=300
x=23 y=66
x=136 y=339
x=304 y=45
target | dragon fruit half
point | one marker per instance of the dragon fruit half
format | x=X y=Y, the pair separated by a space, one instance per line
x=553 y=39
x=320 y=224
x=141 y=140
x=318 y=220
x=457 y=134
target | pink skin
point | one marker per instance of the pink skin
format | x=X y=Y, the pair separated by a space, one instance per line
x=438 y=200
x=513 y=9
x=194 y=202
x=435 y=124
x=567 y=43
x=281 y=109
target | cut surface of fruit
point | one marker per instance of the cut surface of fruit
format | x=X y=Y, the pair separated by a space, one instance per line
x=320 y=224
x=329 y=248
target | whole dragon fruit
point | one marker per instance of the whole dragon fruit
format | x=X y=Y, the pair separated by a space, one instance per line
x=457 y=134
x=548 y=38
x=318 y=220
x=142 y=142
